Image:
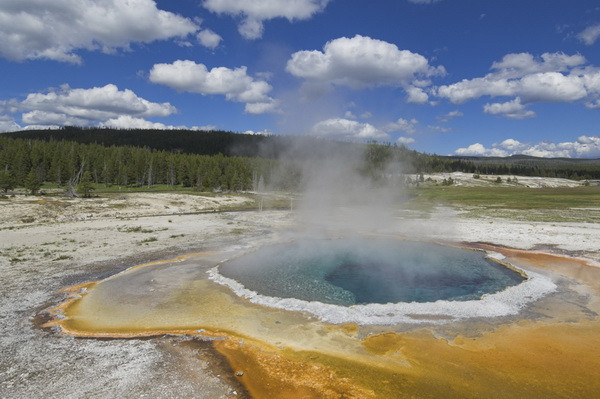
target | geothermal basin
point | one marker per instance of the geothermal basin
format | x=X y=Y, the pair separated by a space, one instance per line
x=380 y=280
x=367 y=317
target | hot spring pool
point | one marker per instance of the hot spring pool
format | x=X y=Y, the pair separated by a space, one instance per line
x=379 y=280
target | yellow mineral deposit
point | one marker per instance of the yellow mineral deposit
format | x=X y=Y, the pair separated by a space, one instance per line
x=283 y=354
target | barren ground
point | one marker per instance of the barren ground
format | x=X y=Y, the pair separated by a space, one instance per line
x=47 y=243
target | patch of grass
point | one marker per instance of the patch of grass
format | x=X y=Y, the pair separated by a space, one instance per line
x=512 y=197
x=134 y=229
x=177 y=235
x=156 y=188
x=28 y=219
x=63 y=257
x=149 y=239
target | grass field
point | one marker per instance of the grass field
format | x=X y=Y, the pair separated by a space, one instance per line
x=577 y=204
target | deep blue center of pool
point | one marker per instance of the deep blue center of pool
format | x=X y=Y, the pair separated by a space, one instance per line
x=348 y=272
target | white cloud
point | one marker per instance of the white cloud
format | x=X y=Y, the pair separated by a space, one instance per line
x=130 y=122
x=402 y=125
x=83 y=107
x=511 y=109
x=254 y=13
x=440 y=129
x=416 y=95
x=347 y=129
x=478 y=149
x=361 y=62
x=208 y=38
x=555 y=78
x=9 y=106
x=512 y=145
x=234 y=84
x=450 y=115
x=7 y=124
x=263 y=132
x=262 y=107
x=593 y=104
x=33 y=29
x=516 y=65
x=349 y=115
x=423 y=1
x=583 y=147
x=590 y=34
x=366 y=115
x=405 y=140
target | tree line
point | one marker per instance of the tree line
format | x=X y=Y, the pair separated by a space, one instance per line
x=25 y=162
x=212 y=161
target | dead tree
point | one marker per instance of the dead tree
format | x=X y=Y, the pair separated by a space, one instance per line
x=71 y=191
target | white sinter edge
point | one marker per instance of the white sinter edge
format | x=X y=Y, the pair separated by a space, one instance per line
x=503 y=303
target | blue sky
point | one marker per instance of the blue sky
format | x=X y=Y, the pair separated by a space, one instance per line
x=448 y=77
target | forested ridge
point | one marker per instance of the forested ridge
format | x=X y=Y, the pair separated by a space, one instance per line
x=222 y=160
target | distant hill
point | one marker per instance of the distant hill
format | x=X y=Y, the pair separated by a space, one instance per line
x=186 y=141
x=520 y=159
x=191 y=141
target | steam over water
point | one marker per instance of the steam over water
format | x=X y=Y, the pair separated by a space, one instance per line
x=380 y=281
x=350 y=272
x=357 y=191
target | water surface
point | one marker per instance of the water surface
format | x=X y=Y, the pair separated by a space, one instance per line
x=350 y=272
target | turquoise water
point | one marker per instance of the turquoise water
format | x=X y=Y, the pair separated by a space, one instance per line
x=348 y=272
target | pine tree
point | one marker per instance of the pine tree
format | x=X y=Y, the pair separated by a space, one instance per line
x=85 y=186
x=6 y=181
x=32 y=182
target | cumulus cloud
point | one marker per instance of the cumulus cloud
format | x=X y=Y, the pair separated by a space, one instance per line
x=361 y=62
x=234 y=84
x=511 y=109
x=478 y=149
x=583 y=147
x=82 y=107
x=416 y=95
x=208 y=38
x=512 y=145
x=67 y=106
x=130 y=122
x=590 y=34
x=33 y=29
x=254 y=13
x=405 y=140
x=8 y=124
x=402 y=125
x=555 y=77
x=346 y=129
